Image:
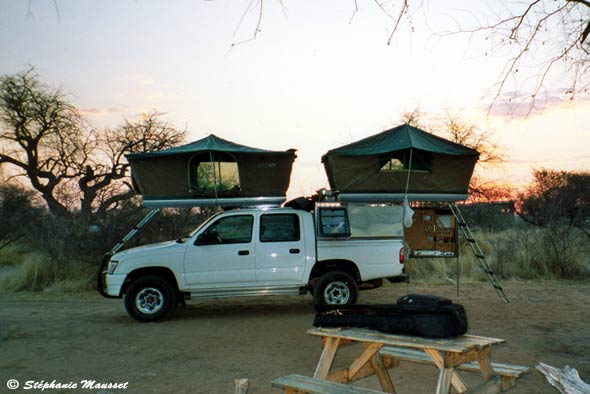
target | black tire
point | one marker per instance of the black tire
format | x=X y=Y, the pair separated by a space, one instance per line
x=150 y=298
x=335 y=288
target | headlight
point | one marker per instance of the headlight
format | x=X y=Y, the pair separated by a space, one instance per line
x=112 y=265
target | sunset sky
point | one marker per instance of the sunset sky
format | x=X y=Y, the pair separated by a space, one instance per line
x=316 y=77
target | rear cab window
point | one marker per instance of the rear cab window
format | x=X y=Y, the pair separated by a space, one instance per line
x=280 y=228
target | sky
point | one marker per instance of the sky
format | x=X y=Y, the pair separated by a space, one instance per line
x=317 y=75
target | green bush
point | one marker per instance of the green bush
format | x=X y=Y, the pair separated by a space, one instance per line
x=63 y=253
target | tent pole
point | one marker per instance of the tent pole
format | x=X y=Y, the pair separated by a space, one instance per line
x=214 y=177
x=408 y=177
x=458 y=274
x=408 y=213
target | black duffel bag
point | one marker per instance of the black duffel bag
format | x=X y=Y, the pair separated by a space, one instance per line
x=420 y=315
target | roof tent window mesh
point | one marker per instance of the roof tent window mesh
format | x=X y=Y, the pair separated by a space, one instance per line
x=214 y=171
x=400 y=161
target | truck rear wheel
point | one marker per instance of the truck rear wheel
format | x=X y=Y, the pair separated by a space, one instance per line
x=150 y=298
x=335 y=288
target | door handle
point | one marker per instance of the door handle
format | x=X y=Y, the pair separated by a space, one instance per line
x=243 y=253
x=294 y=251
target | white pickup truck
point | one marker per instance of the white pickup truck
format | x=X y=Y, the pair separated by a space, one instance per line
x=331 y=253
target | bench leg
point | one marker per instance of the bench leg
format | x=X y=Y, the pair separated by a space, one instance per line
x=508 y=382
x=327 y=358
x=456 y=381
x=485 y=363
x=370 y=350
x=444 y=380
x=382 y=374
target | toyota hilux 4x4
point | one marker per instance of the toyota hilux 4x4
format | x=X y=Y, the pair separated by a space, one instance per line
x=331 y=252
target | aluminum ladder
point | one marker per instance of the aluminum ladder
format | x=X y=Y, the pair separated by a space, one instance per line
x=478 y=252
x=102 y=270
x=147 y=218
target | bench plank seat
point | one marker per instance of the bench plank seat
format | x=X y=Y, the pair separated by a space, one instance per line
x=305 y=384
x=508 y=372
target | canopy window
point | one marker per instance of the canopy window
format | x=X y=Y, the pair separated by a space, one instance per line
x=415 y=161
x=214 y=171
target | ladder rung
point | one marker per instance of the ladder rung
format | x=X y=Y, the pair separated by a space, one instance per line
x=469 y=237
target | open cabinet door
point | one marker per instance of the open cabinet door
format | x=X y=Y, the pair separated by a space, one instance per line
x=433 y=233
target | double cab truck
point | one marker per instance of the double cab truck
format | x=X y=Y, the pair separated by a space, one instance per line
x=330 y=252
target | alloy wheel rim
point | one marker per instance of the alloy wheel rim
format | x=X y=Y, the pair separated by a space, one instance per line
x=149 y=300
x=337 y=293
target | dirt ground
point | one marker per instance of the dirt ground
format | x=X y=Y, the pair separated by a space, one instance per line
x=209 y=343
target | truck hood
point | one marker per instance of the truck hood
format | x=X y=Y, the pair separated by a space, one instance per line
x=151 y=249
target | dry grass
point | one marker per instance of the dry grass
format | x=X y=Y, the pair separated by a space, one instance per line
x=517 y=253
x=12 y=255
x=35 y=271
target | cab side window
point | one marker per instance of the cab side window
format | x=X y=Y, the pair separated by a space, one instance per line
x=279 y=228
x=228 y=230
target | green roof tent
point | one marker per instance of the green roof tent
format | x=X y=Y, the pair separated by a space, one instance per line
x=211 y=172
x=405 y=159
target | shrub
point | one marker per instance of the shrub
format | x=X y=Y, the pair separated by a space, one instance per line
x=18 y=212
x=65 y=251
x=521 y=252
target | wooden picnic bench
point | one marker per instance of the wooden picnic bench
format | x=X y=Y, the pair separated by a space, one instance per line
x=292 y=384
x=382 y=351
x=507 y=372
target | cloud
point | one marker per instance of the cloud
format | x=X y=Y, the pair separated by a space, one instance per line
x=581 y=158
x=100 y=111
x=570 y=163
x=154 y=95
x=513 y=105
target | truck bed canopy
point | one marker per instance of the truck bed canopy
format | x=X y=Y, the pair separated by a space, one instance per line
x=211 y=171
x=385 y=166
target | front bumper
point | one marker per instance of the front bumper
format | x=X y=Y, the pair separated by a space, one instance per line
x=109 y=286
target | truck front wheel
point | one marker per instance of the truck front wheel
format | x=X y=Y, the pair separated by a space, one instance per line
x=150 y=298
x=335 y=288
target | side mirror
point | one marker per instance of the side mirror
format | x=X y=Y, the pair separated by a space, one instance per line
x=208 y=237
x=200 y=239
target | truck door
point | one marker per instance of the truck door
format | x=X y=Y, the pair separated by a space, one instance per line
x=224 y=253
x=280 y=252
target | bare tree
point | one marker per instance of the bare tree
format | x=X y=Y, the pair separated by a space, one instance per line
x=557 y=198
x=469 y=134
x=543 y=35
x=461 y=132
x=559 y=202
x=103 y=176
x=45 y=139
x=397 y=13
x=40 y=134
x=548 y=38
x=555 y=30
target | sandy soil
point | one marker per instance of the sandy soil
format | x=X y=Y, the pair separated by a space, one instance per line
x=208 y=344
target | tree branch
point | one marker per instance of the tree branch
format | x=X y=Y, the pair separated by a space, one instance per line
x=404 y=9
x=584 y=2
